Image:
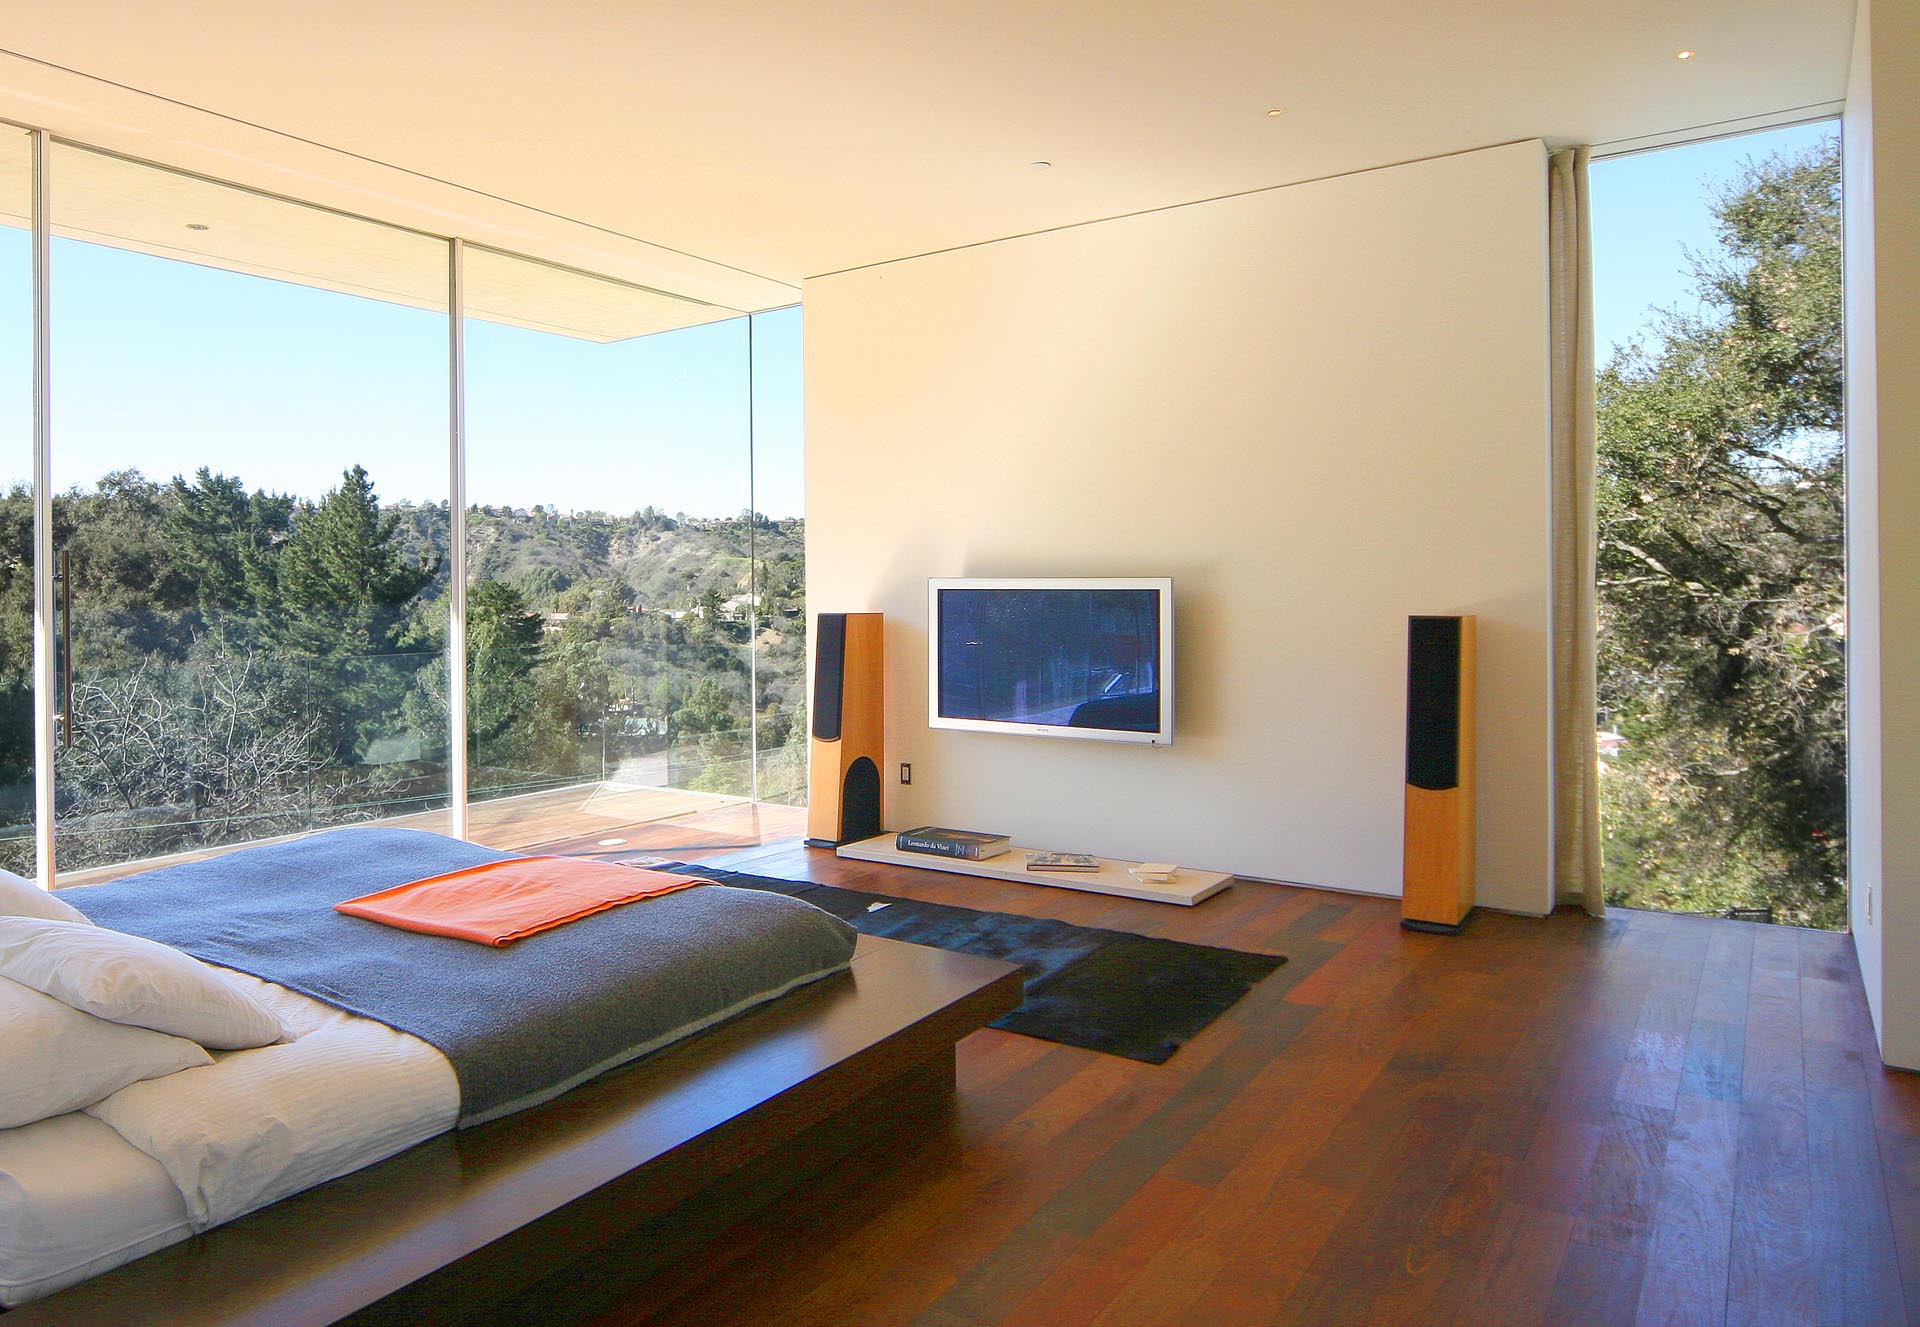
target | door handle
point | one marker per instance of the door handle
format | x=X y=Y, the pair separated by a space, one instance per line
x=65 y=579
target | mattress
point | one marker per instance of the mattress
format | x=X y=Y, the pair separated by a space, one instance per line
x=520 y=1024
x=162 y=1159
x=391 y=1037
x=75 y=1200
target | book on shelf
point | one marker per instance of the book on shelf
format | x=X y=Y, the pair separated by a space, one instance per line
x=966 y=844
x=1062 y=861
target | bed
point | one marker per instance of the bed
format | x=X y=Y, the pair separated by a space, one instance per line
x=344 y=1134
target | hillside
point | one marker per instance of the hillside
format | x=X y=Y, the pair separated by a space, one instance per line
x=293 y=652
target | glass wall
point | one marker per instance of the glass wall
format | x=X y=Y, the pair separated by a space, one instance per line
x=250 y=473
x=16 y=501
x=255 y=454
x=1721 y=505
x=610 y=546
x=780 y=558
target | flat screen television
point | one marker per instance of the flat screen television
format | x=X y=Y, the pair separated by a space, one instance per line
x=1074 y=657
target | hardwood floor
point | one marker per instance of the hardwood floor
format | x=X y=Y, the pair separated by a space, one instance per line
x=1647 y=1120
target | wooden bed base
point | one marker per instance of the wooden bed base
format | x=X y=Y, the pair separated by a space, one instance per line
x=477 y=1216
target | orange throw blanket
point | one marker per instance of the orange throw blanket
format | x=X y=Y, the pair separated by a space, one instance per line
x=497 y=903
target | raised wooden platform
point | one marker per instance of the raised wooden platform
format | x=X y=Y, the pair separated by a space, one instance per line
x=468 y=1216
x=1187 y=887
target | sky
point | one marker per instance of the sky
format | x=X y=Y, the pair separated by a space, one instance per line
x=1649 y=209
x=163 y=366
x=166 y=367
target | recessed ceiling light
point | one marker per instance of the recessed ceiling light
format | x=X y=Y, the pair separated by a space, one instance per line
x=1040 y=165
x=1277 y=110
x=609 y=843
x=198 y=225
x=1683 y=55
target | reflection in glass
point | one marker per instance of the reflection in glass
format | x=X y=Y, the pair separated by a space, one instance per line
x=250 y=413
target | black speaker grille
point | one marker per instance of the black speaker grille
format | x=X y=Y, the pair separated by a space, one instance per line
x=829 y=675
x=1433 y=702
x=860 y=802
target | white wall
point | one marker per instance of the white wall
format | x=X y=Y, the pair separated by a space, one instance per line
x=1319 y=408
x=1882 y=164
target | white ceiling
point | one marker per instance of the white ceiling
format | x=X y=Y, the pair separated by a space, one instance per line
x=781 y=141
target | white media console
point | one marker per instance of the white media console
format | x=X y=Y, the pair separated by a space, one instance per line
x=1187 y=887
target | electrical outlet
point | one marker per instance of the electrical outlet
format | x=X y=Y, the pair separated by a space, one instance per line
x=906 y=772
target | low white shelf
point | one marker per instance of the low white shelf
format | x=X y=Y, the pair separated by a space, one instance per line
x=1187 y=887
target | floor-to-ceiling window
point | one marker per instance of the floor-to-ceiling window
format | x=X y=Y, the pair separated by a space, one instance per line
x=249 y=406
x=262 y=418
x=780 y=559
x=608 y=544
x=1721 y=479
x=16 y=501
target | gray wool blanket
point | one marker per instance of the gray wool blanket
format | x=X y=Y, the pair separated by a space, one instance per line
x=521 y=1024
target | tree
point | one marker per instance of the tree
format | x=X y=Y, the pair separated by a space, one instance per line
x=503 y=649
x=224 y=542
x=348 y=592
x=1721 y=562
x=346 y=557
x=234 y=618
x=173 y=755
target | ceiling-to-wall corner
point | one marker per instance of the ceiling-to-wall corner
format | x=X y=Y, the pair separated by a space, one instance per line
x=101 y=114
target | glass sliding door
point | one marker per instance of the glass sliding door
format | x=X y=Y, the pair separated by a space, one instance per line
x=17 y=699
x=609 y=553
x=250 y=427
x=780 y=559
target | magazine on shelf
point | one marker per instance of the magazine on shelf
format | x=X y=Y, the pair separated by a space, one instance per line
x=1062 y=861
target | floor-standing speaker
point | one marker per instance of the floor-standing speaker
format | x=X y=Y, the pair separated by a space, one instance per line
x=1437 y=888
x=843 y=782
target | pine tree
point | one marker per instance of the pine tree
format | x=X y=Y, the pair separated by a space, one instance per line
x=347 y=591
x=225 y=542
x=503 y=649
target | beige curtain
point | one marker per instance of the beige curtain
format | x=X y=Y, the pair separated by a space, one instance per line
x=1576 y=776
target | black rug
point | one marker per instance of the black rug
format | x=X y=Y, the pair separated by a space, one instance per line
x=1109 y=991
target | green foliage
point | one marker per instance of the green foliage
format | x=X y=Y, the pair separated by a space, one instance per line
x=249 y=663
x=1722 y=563
x=346 y=612
x=223 y=540
x=211 y=749
x=503 y=649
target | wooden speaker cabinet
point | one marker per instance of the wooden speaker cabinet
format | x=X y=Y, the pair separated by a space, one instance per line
x=843 y=779
x=1437 y=888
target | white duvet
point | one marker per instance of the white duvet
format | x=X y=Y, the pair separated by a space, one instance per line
x=341 y=1092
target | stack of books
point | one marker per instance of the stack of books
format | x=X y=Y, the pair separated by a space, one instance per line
x=966 y=844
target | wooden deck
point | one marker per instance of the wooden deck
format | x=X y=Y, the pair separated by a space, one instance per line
x=689 y=826
x=1650 y=1119
x=668 y=821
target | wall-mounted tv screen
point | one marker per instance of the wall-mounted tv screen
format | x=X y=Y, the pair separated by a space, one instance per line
x=1078 y=657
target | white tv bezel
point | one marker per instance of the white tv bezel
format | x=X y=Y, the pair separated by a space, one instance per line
x=1162 y=585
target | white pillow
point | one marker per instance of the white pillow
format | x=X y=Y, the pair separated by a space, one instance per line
x=58 y=1059
x=125 y=979
x=20 y=897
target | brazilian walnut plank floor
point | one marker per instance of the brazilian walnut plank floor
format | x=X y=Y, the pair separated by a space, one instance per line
x=1646 y=1120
